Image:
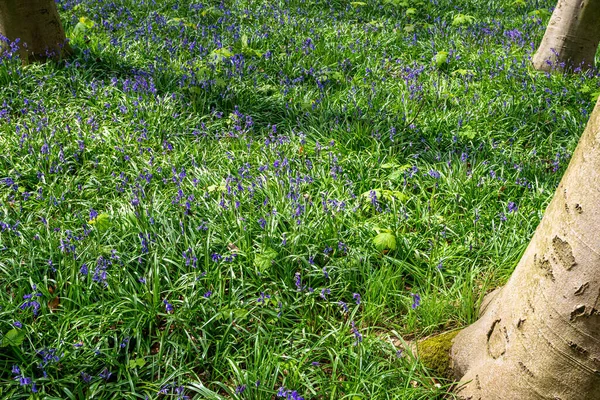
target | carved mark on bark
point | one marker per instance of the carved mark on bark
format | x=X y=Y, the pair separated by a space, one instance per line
x=578 y=209
x=525 y=369
x=577 y=312
x=545 y=266
x=563 y=252
x=577 y=348
x=521 y=322
x=581 y=290
x=496 y=340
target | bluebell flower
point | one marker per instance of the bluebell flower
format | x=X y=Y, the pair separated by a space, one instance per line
x=87 y=378
x=105 y=374
x=344 y=306
x=356 y=333
x=416 y=300
x=240 y=389
x=298 y=281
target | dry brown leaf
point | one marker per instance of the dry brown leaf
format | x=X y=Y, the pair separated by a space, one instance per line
x=54 y=303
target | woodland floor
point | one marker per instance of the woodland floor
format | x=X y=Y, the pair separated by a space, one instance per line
x=258 y=200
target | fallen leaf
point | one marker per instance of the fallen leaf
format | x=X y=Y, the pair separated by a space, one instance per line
x=54 y=303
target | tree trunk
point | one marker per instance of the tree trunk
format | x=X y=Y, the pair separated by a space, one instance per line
x=539 y=336
x=37 y=26
x=571 y=38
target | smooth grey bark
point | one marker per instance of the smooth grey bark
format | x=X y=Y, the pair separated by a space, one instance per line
x=539 y=336
x=37 y=26
x=571 y=38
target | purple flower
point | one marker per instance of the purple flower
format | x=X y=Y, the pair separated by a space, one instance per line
x=356 y=333
x=512 y=207
x=207 y=294
x=23 y=381
x=17 y=324
x=356 y=298
x=416 y=300
x=105 y=374
x=434 y=174
x=262 y=222
x=240 y=389
x=87 y=378
x=298 y=281
x=168 y=307
x=35 y=305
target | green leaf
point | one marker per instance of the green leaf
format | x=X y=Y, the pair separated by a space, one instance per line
x=88 y=23
x=264 y=260
x=358 y=3
x=541 y=13
x=138 y=362
x=385 y=241
x=441 y=59
x=463 y=72
x=409 y=28
x=219 y=55
x=101 y=222
x=462 y=19
x=411 y=11
x=398 y=173
x=389 y=165
x=14 y=338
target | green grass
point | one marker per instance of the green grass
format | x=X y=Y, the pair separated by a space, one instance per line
x=200 y=158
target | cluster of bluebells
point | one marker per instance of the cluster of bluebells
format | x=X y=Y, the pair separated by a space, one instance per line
x=22 y=379
x=177 y=390
x=49 y=356
x=31 y=302
x=146 y=157
x=287 y=394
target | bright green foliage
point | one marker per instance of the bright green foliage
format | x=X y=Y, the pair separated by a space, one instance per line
x=195 y=195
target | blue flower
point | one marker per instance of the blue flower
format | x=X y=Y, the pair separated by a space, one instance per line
x=168 y=307
x=416 y=300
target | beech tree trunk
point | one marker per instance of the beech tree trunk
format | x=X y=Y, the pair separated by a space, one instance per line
x=571 y=38
x=539 y=336
x=37 y=26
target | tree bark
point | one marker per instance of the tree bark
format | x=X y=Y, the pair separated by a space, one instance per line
x=539 y=336
x=37 y=26
x=571 y=38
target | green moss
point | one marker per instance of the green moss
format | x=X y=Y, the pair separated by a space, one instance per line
x=434 y=352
